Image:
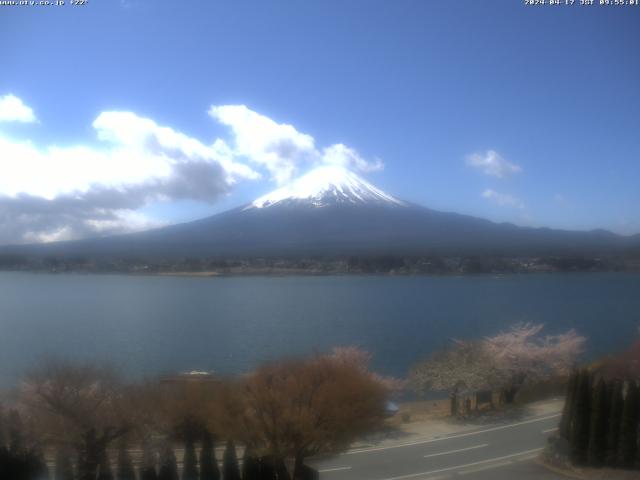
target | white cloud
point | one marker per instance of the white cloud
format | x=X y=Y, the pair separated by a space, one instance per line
x=280 y=147
x=122 y=221
x=70 y=192
x=12 y=109
x=135 y=151
x=502 y=199
x=492 y=163
x=56 y=192
x=340 y=154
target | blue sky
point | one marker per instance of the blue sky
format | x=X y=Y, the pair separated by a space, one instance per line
x=491 y=108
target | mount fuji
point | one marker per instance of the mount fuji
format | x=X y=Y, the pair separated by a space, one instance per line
x=325 y=187
x=333 y=211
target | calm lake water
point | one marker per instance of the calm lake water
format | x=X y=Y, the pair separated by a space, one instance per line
x=148 y=325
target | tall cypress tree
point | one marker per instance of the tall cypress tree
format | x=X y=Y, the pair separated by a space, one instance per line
x=281 y=469
x=6 y=463
x=579 y=438
x=168 y=464
x=189 y=461
x=208 y=463
x=104 y=467
x=125 y=469
x=614 y=420
x=148 y=463
x=36 y=465
x=250 y=466
x=16 y=456
x=230 y=470
x=628 y=444
x=569 y=404
x=64 y=468
x=16 y=440
x=3 y=428
x=268 y=468
x=598 y=427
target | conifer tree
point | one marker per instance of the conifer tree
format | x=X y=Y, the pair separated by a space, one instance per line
x=569 y=404
x=250 y=466
x=6 y=464
x=36 y=465
x=168 y=464
x=208 y=463
x=16 y=440
x=64 y=468
x=308 y=473
x=628 y=447
x=16 y=459
x=189 y=461
x=2 y=427
x=125 y=464
x=614 y=421
x=230 y=470
x=148 y=463
x=5 y=459
x=267 y=469
x=281 y=469
x=579 y=439
x=598 y=426
x=104 y=467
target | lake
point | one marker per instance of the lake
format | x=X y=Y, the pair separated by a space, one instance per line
x=150 y=324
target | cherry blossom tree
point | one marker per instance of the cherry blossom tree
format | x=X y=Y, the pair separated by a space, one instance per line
x=462 y=365
x=505 y=361
x=522 y=354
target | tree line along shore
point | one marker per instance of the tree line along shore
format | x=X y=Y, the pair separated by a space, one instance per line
x=323 y=265
x=79 y=421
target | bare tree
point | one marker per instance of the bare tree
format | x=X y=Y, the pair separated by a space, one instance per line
x=302 y=408
x=361 y=359
x=624 y=366
x=79 y=405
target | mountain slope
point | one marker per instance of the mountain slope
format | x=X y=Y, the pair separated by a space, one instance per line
x=331 y=211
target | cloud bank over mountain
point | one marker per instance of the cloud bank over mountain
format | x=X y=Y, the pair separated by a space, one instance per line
x=51 y=192
x=280 y=148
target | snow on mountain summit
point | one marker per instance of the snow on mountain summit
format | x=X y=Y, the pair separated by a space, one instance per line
x=324 y=186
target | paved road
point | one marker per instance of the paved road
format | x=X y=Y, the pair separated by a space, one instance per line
x=493 y=452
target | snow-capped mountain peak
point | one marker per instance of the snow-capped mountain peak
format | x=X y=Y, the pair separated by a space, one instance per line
x=324 y=186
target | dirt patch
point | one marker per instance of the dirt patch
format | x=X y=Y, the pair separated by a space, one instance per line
x=420 y=411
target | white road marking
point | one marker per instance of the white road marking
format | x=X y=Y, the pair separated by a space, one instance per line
x=549 y=430
x=457 y=467
x=477 y=432
x=526 y=457
x=485 y=467
x=334 y=469
x=456 y=451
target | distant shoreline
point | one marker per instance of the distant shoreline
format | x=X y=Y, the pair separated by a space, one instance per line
x=302 y=273
x=363 y=264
